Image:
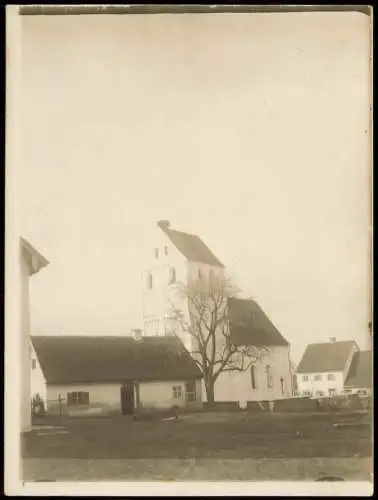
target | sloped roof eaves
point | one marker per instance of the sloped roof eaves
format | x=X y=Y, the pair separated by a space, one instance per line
x=121 y=380
x=360 y=374
x=107 y=359
x=38 y=260
x=251 y=326
x=192 y=247
x=325 y=357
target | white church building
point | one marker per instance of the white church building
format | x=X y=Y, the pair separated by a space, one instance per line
x=176 y=259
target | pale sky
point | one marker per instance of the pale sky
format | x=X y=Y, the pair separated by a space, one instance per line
x=249 y=130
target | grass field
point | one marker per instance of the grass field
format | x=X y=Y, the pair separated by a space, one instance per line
x=279 y=440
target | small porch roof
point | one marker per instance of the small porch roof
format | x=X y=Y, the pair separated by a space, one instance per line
x=36 y=261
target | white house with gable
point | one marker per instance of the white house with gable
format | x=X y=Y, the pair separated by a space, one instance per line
x=176 y=258
x=324 y=368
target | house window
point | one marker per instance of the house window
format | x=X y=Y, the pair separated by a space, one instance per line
x=177 y=392
x=269 y=376
x=34 y=364
x=307 y=394
x=331 y=376
x=331 y=392
x=305 y=378
x=166 y=250
x=172 y=275
x=253 y=377
x=319 y=394
x=199 y=274
x=149 y=283
x=77 y=398
x=317 y=377
x=190 y=388
x=156 y=253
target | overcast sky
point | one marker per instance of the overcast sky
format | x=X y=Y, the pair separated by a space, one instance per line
x=249 y=130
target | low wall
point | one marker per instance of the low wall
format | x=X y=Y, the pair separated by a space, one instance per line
x=345 y=403
x=296 y=405
x=257 y=406
x=222 y=406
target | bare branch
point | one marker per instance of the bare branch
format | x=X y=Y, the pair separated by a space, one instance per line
x=207 y=322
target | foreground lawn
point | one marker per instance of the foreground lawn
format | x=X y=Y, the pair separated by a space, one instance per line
x=202 y=436
x=170 y=469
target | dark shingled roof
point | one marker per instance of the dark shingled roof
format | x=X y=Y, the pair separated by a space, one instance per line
x=251 y=326
x=360 y=374
x=83 y=359
x=192 y=247
x=326 y=357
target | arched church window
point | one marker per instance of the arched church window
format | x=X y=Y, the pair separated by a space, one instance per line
x=149 y=281
x=253 y=377
x=269 y=376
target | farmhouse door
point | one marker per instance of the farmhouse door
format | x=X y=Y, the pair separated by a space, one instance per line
x=127 y=398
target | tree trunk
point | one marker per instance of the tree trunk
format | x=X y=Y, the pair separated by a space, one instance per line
x=210 y=391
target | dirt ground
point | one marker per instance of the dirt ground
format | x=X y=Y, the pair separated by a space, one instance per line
x=204 y=446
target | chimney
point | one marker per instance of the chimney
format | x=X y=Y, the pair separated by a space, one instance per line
x=164 y=224
x=332 y=339
x=137 y=334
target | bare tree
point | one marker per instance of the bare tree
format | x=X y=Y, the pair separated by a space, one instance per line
x=206 y=321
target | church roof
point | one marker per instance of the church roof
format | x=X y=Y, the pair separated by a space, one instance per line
x=249 y=325
x=190 y=246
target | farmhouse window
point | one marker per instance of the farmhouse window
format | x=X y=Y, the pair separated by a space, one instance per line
x=77 y=398
x=253 y=377
x=269 y=376
x=166 y=250
x=332 y=392
x=317 y=377
x=305 y=378
x=331 y=376
x=156 y=253
x=177 y=392
x=190 y=388
x=34 y=364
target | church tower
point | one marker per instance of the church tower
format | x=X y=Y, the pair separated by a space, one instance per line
x=175 y=258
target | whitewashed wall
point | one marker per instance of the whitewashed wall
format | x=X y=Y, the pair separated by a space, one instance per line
x=25 y=359
x=106 y=398
x=160 y=395
x=37 y=379
x=237 y=386
x=156 y=302
x=314 y=386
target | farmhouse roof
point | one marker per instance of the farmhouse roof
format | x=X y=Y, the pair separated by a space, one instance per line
x=190 y=246
x=326 y=357
x=360 y=375
x=82 y=359
x=249 y=325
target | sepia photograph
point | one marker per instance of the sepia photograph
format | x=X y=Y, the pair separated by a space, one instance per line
x=189 y=250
